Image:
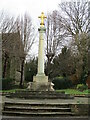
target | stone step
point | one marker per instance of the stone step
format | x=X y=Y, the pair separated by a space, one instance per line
x=40 y=96
x=33 y=94
x=36 y=109
x=30 y=104
x=33 y=114
x=44 y=92
x=36 y=93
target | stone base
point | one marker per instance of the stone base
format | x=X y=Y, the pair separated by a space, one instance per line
x=40 y=83
x=40 y=78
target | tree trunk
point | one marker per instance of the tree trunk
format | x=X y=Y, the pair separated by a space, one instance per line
x=5 y=66
x=22 y=73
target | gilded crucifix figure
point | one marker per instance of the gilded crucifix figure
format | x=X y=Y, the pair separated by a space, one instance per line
x=42 y=19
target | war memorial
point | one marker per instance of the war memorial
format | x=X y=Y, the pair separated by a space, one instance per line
x=40 y=100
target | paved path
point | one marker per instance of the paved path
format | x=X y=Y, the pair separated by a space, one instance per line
x=0 y=106
x=47 y=118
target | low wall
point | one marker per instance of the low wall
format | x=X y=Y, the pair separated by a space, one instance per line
x=80 y=109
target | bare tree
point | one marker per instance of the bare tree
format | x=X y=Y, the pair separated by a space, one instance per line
x=75 y=21
x=26 y=29
x=6 y=22
x=54 y=36
x=75 y=18
x=18 y=37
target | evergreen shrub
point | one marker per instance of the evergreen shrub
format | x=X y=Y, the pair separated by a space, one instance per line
x=82 y=87
x=7 y=83
x=62 y=83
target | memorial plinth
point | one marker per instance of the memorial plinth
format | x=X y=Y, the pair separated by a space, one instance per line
x=40 y=81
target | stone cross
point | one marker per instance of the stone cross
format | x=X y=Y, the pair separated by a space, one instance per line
x=40 y=81
x=41 y=30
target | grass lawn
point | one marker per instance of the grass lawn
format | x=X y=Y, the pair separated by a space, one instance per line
x=74 y=91
x=12 y=90
x=67 y=91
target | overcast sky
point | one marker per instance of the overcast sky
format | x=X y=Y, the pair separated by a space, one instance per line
x=34 y=7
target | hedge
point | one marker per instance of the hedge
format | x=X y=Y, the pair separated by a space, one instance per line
x=62 y=83
x=7 y=83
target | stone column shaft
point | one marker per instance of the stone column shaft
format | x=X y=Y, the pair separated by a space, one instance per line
x=41 y=51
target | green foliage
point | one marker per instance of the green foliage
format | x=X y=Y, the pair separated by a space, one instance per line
x=63 y=63
x=61 y=82
x=84 y=77
x=82 y=87
x=7 y=83
x=74 y=91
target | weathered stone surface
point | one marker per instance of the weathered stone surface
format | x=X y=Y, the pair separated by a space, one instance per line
x=42 y=94
x=36 y=109
x=40 y=83
x=46 y=118
x=80 y=109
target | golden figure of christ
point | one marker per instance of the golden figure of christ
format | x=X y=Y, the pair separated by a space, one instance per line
x=42 y=19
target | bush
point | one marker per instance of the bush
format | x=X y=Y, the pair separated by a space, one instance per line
x=7 y=83
x=61 y=83
x=82 y=87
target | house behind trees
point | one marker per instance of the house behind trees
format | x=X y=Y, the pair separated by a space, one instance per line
x=12 y=55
